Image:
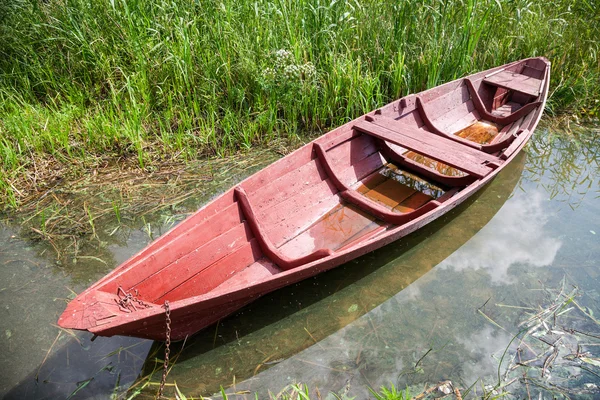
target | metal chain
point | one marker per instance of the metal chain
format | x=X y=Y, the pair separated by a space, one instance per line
x=127 y=300
x=167 y=350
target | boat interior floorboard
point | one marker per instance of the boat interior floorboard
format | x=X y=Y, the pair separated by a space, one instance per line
x=335 y=229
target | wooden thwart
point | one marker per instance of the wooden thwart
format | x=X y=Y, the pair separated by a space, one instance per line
x=440 y=149
x=517 y=82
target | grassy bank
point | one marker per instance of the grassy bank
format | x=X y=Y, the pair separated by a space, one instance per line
x=87 y=84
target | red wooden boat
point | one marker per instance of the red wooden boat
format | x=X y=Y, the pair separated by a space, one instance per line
x=359 y=187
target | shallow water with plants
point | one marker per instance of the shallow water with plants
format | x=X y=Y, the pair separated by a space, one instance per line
x=499 y=295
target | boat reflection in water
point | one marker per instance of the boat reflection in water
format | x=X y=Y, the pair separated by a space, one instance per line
x=281 y=324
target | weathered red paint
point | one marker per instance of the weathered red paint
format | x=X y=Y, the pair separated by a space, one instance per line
x=329 y=202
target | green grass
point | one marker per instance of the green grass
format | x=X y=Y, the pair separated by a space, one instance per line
x=156 y=79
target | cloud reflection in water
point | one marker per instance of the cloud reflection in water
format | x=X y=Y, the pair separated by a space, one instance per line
x=517 y=235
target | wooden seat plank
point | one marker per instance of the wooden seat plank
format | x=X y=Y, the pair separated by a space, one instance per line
x=517 y=82
x=438 y=148
x=434 y=140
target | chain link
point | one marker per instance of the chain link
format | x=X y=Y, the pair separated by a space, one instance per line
x=167 y=350
x=127 y=300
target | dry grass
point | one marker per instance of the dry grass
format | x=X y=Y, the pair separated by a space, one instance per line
x=70 y=207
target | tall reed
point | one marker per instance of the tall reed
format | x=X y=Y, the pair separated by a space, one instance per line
x=157 y=78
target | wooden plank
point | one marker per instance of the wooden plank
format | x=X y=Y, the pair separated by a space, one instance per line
x=412 y=118
x=348 y=134
x=369 y=182
x=299 y=201
x=460 y=111
x=537 y=63
x=370 y=232
x=193 y=263
x=332 y=231
x=413 y=202
x=447 y=103
x=279 y=168
x=443 y=150
x=354 y=173
x=300 y=179
x=500 y=97
x=193 y=238
x=533 y=72
x=528 y=120
x=215 y=274
x=255 y=272
x=352 y=151
x=438 y=143
x=464 y=121
x=517 y=82
x=506 y=109
x=508 y=131
x=390 y=193
x=288 y=228
x=515 y=144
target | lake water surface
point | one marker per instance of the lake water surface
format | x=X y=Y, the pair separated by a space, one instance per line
x=443 y=303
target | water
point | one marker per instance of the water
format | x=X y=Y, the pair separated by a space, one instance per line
x=439 y=305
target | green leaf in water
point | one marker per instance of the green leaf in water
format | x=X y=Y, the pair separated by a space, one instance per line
x=178 y=394
x=80 y=385
x=83 y=384
x=8 y=333
x=590 y=360
x=353 y=308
